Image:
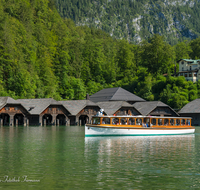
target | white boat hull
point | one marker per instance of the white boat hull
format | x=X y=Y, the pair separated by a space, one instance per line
x=108 y=131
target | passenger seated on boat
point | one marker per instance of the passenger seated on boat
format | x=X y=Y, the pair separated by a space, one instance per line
x=103 y=122
x=147 y=125
x=143 y=124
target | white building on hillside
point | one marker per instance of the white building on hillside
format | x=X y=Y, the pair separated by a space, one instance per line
x=190 y=69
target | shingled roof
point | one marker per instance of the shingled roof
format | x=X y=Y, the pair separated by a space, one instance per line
x=7 y=100
x=37 y=106
x=115 y=94
x=192 y=107
x=111 y=107
x=146 y=107
x=75 y=106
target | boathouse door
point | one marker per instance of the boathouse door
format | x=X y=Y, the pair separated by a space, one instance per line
x=83 y=119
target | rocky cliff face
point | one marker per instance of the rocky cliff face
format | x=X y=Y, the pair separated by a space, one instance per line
x=135 y=20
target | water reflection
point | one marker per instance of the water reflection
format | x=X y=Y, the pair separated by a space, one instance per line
x=138 y=144
x=62 y=158
x=141 y=158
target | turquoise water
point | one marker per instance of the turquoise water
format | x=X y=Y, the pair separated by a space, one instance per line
x=62 y=158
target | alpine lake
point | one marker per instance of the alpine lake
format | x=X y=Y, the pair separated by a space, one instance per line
x=62 y=157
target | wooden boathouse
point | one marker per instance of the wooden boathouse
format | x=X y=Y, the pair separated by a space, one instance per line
x=81 y=111
x=154 y=108
x=12 y=112
x=45 y=111
x=118 y=108
x=192 y=109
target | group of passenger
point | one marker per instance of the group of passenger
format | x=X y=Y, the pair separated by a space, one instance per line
x=145 y=125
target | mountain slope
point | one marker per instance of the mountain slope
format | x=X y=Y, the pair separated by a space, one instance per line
x=135 y=20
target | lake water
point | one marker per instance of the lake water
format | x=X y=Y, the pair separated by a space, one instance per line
x=62 y=158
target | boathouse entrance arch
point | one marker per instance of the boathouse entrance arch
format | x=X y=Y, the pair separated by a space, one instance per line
x=60 y=119
x=5 y=119
x=18 y=119
x=47 y=119
x=83 y=119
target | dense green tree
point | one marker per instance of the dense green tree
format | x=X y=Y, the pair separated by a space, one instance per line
x=125 y=60
x=157 y=55
x=43 y=55
x=183 y=50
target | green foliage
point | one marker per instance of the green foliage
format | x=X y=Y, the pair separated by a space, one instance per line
x=182 y=49
x=157 y=55
x=43 y=55
x=195 y=45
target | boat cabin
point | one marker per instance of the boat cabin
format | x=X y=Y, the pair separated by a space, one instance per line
x=140 y=121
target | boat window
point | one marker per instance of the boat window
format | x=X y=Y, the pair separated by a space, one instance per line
x=160 y=121
x=166 y=121
x=153 y=121
x=187 y=122
x=178 y=122
x=106 y=120
x=138 y=121
x=131 y=121
x=171 y=121
x=182 y=121
x=123 y=121
x=146 y=121
x=96 y=120
x=115 y=121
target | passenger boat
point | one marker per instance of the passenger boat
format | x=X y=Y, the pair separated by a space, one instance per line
x=138 y=125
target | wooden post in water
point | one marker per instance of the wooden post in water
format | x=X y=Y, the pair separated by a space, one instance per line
x=27 y=122
x=16 y=122
x=24 y=121
x=67 y=122
x=40 y=120
x=58 y=122
x=11 y=120
x=1 y=122
x=80 y=122
x=44 y=122
x=53 y=119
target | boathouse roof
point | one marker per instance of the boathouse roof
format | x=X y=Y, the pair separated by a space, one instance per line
x=147 y=107
x=7 y=100
x=191 y=107
x=115 y=94
x=75 y=106
x=37 y=106
x=110 y=107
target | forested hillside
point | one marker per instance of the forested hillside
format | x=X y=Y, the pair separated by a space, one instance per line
x=135 y=20
x=43 y=55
